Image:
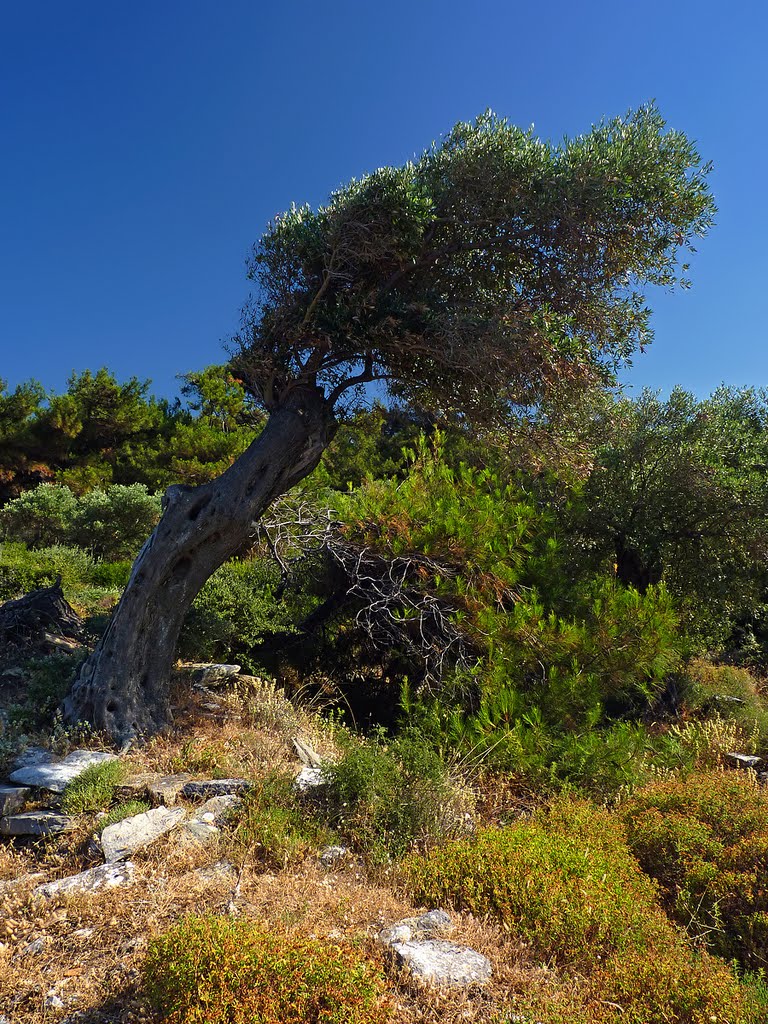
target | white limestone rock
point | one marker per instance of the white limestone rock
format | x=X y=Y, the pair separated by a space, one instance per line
x=125 y=837
x=46 y=771
x=204 y=674
x=105 y=876
x=332 y=855
x=443 y=964
x=426 y=926
x=218 y=808
x=744 y=760
x=309 y=779
x=13 y=799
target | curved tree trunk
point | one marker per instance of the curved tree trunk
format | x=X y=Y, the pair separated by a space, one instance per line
x=122 y=688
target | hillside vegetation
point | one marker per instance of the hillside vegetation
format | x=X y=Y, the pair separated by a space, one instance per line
x=527 y=662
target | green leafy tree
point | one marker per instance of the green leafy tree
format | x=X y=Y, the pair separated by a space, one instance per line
x=494 y=273
x=113 y=523
x=40 y=517
x=19 y=467
x=679 y=494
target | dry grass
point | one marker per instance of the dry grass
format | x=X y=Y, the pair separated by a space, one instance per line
x=92 y=947
x=87 y=951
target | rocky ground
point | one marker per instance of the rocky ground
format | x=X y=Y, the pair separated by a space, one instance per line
x=78 y=904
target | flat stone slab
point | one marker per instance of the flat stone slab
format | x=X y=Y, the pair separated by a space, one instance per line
x=200 y=831
x=34 y=823
x=444 y=964
x=166 y=789
x=120 y=840
x=135 y=784
x=744 y=760
x=204 y=789
x=217 y=809
x=13 y=799
x=211 y=675
x=105 y=876
x=221 y=871
x=46 y=771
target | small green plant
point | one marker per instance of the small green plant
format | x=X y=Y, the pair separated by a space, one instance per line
x=121 y=811
x=210 y=970
x=272 y=827
x=387 y=794
x=755 y=985
x=47 y=680
x=202 y=757
x=93 y=789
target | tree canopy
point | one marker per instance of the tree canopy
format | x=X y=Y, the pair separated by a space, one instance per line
x=490 y=274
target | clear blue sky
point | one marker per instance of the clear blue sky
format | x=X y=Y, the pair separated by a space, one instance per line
x=145 y=145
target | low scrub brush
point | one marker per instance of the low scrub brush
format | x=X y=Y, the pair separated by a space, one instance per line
x=565 y=882
x=210 y=970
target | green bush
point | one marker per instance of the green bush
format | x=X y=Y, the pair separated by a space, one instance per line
x=113 y=575
x=565 y=882
x=115 y=522
x=222 y=971
x=704 y=839
x=704 y=687
x=110 y=523
x=93 y=789
x=47 y=682
x=387 y=794
x=234 y=612
x=41 y=517
x=22 y=569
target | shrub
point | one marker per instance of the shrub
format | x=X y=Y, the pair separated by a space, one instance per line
x=93 y=789
x=111 y=574
x=566 y=883
x=40 y=517
x=234 y=612
x=706 y=690
x=115 y=522
x=110 y=523
x=705 y=840
x=385 y=795
x=222 y=971
x=47 y=682
x=23 y=570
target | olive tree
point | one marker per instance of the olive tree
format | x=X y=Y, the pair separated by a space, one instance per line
x=495 y=273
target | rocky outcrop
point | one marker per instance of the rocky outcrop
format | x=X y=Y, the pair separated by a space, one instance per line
x=35 y=823
x=204 y=789
x=105 y=876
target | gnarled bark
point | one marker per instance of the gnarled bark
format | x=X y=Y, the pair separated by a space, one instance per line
x=122 y=688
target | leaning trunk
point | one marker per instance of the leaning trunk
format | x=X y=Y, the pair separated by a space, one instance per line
x=122 y=689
